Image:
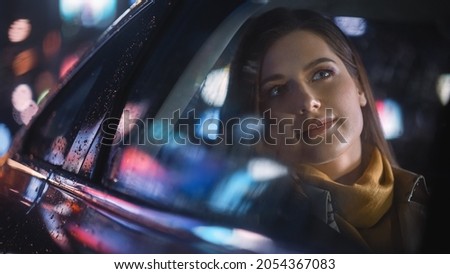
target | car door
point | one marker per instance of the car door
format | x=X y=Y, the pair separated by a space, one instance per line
x=57 y=170
x=64 y=140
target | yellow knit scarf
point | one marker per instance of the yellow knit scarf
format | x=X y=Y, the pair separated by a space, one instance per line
x=363 y=203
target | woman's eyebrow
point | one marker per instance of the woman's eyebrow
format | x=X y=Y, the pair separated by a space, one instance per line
x=317 y=61
x=271 y=78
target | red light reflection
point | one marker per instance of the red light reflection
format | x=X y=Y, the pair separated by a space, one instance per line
x=89 y=239
x=67 y=64
x=140 y=163
x=51 y=43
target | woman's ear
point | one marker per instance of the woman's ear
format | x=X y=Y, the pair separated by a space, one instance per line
x=362 y=98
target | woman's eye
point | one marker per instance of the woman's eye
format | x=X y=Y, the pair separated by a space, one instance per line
x=322 y=74
x=276 y=91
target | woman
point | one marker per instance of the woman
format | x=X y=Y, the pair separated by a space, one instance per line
x=312 y=89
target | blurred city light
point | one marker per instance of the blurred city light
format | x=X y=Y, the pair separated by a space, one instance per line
x=230 y=196
x=215 y=87
x=209 y=125
x=24 y=62
x=19 y=30
x=67 y=64
x=391 y=118
x=5 y=139
x=234 y=237
x=98 y=13
x=43 y=83
x=352 y=26
x=42 y=42
x=29 y=112
x=443 y=88
x=262 y=169
x=138 y=173
x=22 y=100
x=51 y=43
x=21 y=97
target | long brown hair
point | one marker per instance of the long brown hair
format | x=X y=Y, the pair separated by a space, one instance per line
x=264 y=30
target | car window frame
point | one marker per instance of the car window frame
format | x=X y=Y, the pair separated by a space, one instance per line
x=86 y=60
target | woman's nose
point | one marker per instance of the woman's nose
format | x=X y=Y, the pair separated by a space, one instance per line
x=310 y=105
x=305 y=101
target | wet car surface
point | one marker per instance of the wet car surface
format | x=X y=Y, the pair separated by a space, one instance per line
x=116 y=162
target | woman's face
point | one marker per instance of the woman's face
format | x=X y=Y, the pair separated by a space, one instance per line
x=314 y=103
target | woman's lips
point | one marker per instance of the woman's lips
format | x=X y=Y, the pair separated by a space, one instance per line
x=317 y=127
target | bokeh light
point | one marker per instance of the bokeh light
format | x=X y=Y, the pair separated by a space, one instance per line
x=352 y=26
x=27 y=114
x=262 y=169
x=391 y=118
x=239 y=238
x=24 y=62
x=99 y=13
x=5 y=139
x=19 y=30
x=209 y=125
x=21 y=97
x=51 y=43
x=443 y=88
x=44 y=81
x=24 y=105
x=215 y=87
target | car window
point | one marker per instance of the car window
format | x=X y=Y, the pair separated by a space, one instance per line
x=68 y=133
x=170 y=149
